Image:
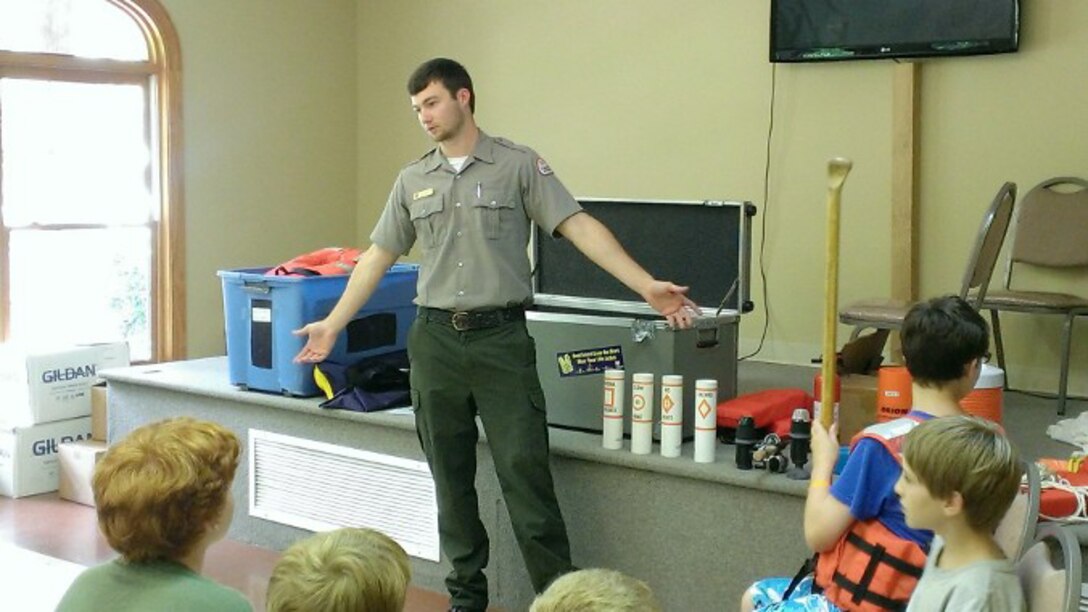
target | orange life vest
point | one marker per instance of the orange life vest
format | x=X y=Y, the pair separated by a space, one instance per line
x=322 y=262
x=889 y=433
x=870 y=568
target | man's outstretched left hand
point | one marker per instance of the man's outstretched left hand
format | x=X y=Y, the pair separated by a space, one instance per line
x=670 y=300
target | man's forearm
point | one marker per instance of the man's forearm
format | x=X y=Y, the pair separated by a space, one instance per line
x=364 y=279
x=597 y=243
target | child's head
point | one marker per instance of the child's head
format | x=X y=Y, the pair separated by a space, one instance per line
x=596 y=590
x=942 y=339
x=165 y=488
x=958 y=465
x=341 y=571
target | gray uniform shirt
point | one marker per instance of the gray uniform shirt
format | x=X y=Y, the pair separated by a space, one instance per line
x=473 y=226
x=978 y=587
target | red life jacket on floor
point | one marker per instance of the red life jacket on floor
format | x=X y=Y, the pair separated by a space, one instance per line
x=870 y=568
x=322 y=262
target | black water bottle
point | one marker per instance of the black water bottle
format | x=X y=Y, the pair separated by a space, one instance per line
x=800 y=437
x=746 y=441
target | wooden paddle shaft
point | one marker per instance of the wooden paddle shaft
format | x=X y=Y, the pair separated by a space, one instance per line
x=837 y=169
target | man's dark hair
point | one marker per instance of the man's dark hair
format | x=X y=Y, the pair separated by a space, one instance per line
x=451 y=74
x=940 y=337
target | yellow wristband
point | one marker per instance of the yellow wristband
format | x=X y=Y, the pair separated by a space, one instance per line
x=819 y=483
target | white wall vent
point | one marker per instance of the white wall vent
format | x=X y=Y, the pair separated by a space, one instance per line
x=319 y=486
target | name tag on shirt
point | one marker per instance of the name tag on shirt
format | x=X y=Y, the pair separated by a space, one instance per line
x=419 y=195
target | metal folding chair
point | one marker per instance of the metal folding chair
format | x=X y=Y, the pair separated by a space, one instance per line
x=1049 y=233
x=889 y=314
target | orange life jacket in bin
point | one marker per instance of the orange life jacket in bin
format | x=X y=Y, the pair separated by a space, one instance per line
x=870 y=568
x=322 y=262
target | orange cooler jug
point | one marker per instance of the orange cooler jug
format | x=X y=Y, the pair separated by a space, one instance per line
x=987 y=398
x=893 y=395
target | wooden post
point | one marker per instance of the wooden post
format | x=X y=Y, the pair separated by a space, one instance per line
x=906 y=87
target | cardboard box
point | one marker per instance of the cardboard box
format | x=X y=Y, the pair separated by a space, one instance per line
x=99 y=413
x=29 y=462
x=41 y=385
x=857 y=405
x=110 y=355
x=77 y=461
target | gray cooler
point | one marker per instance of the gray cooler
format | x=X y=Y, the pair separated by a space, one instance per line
x=584 y=321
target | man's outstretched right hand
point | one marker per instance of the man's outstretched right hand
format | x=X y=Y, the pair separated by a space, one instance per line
x=320 y=339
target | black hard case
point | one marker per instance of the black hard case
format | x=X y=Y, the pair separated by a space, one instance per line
x=580 y=310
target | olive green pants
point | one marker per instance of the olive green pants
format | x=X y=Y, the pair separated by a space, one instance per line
x=491 y=373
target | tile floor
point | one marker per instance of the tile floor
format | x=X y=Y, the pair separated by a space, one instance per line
x=45 y=542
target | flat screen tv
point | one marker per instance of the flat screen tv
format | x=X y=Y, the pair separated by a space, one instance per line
x=832 y=30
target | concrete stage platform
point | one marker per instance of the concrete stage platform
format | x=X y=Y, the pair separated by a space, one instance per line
x=697 y=533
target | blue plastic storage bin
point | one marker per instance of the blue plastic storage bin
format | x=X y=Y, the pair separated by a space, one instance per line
x=260 y=312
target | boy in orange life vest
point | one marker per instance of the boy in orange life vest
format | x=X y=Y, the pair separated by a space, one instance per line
x=944 y=343
x=960 y=476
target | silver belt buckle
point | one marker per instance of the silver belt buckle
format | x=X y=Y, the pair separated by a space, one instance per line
x=460 y=320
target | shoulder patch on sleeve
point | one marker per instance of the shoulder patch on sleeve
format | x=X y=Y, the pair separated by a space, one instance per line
x=542 y=167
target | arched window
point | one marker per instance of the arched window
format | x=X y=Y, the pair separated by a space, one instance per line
x=91 y=246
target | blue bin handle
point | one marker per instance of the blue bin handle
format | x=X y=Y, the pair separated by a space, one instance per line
x=260 y=287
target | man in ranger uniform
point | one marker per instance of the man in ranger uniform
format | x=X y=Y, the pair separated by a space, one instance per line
x=468 y=204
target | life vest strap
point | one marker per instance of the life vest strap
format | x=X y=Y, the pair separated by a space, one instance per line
x=900 y=565
x=878 y=554
x=298 y=272
x=863 y=594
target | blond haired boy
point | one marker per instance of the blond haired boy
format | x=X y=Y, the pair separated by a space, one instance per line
x=960 y=475
x=596 y=590
x=345 y=570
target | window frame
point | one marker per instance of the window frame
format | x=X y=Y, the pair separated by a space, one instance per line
x=160 y=75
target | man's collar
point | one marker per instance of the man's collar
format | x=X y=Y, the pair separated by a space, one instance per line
x=483 y=151
x=485 y=148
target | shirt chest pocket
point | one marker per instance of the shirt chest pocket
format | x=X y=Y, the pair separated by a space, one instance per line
x=496 y=212
x=427 y=218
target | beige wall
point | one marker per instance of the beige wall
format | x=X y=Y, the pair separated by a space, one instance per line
x=639 y=98
x=625 y=98
x=269 y=111
x=1023 y=118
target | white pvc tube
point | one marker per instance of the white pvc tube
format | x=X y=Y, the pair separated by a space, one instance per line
x=706 y=420
x=614 y=396
x=672 y=414
x=642 y=413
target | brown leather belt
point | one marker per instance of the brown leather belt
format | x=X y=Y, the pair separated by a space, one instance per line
x=468 y=320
